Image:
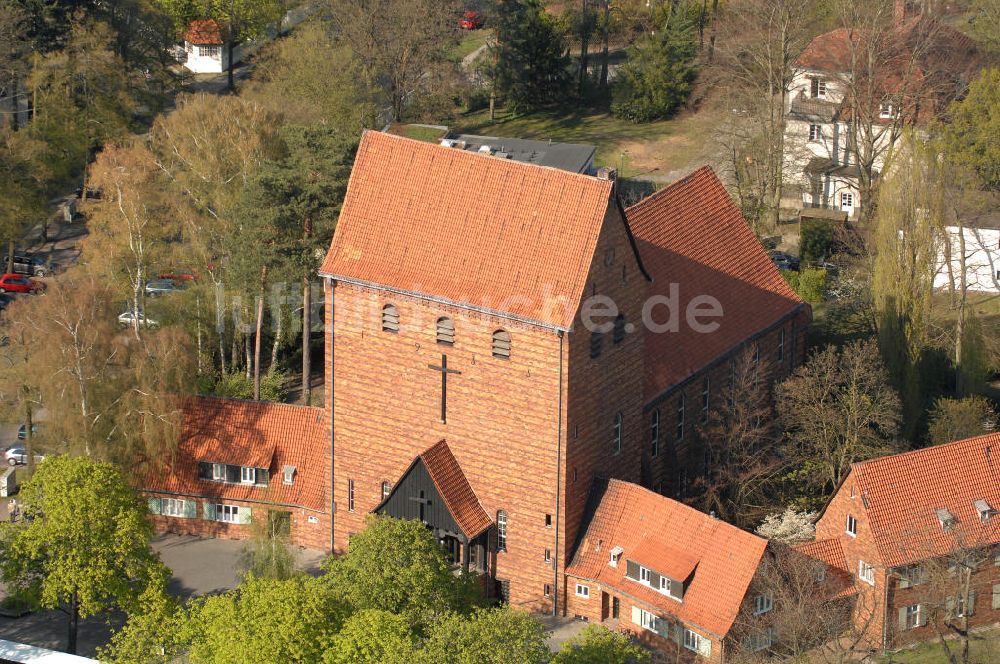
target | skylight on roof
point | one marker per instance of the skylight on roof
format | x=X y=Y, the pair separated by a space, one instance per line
x=946 y=518
x=984 y=509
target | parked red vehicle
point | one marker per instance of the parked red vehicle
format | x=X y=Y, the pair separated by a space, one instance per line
x=178 y=275
x=16 y=283
x=470 y=21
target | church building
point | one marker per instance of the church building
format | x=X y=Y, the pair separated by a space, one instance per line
x=501 y=337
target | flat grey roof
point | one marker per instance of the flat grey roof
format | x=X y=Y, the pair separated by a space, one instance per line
x=566 y=156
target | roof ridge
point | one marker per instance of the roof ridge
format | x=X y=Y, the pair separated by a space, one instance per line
x=426 y=145
x=662 y=191
x=928 y=449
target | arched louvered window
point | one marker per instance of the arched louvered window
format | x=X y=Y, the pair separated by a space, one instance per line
x=390 y=318
x=445 y=331
x=617 y=432
x=596 y=342
x=501 y=344
x=654 y=433
x=618 y=332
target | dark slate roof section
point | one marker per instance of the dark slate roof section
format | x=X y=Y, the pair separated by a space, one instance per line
x=565 y=156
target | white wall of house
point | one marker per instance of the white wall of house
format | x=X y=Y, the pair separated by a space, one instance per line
x=982 y=259
x=205 y=59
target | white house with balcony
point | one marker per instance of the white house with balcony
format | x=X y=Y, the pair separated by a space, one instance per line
x=980 y=247
x=205 y=48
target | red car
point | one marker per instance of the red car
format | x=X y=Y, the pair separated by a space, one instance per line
x=470 y=21
x=178 y=275
x=16 y=283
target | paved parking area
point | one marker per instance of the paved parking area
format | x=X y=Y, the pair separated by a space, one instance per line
x=199 y=566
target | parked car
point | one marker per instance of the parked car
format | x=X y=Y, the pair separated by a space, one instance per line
x=27 y=264
x=470 y=21
x=178 y=275
x=158 y=287
x=16 y=283
x=17 y=455
x=784 y=261
x=22 y=431
x=126 y=319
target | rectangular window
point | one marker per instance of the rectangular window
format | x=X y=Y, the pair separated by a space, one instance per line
x=547 y=590
x=886 y=111
x=706 y=397
x=501 y=531
x=648 y=620
x=866 y=572
x=227 y=513
x=760 y=639
x=815 y=132
x=817 y=88
x=219 y=472
x=350 y=495
x=548 y=555
x=248 y=475
x=912 y=614
x=763 y=603
x=852 y=526
x=644 y=575
x=172 y=507
x=548 y=520
x=582 y=591
x=209 y=51
x=996 y=596
x=846 y=200
x=781 y=345
x=204 y=470
x=692 y=640
x=680 y=418
x=654 y=433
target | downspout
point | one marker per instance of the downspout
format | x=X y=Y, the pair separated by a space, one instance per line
x=559 y=418
x=331 y=284
x=885 y=613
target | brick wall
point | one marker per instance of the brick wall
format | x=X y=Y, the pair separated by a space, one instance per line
x=305 y=533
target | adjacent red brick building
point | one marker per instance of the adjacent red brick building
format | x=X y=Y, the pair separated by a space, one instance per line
x=920 y=532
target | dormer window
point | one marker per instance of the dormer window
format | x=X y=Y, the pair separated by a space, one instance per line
x=817 y=88
x=288 y=474
x=445 y=331
x=946 y=519
x=219 y=472
x=248 y=475
x=665 y=585
x=984 y=509
x=616 y=555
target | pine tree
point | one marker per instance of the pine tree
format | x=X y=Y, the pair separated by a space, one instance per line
x=532 y=65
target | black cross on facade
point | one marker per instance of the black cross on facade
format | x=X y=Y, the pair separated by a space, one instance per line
x=443 y=368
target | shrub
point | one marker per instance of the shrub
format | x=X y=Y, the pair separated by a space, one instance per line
x=238 y=386
x=816 y=239
x=812 y=284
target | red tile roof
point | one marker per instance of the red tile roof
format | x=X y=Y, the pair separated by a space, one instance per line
x=455 y=490
x=248 y=433
x=668 y=536
x=204 y=32
x=692 y=234
x=903 y=492
x=468 y=228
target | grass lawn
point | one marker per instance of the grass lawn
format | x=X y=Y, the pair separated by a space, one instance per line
x=471 y=40
x=985 y=651
x=664 y=149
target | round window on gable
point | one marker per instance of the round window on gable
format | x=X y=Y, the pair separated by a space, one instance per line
x=390 y=318
x=445 y=331
x=501 y=344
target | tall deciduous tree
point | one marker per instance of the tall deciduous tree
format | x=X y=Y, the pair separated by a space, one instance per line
x=500 y=636
x=398 y=42
x=372 y=636
x=84 y=542
x=599 y=645
x=957 y=419
x=838 y=408
x=531 y=65
x=397 y=566
x=970 y=136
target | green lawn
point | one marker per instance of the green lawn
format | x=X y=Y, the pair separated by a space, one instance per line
x=471 y=40
x=985 y=650
x=652 y=148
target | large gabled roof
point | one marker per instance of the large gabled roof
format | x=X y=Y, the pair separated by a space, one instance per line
x=455 y=490
x=247 y=433
x=470 y=229
x=691 y=234
x=902 y=494
x=663 y=534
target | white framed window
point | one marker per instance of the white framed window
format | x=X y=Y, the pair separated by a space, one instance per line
x=386 y=490
x=911 y=616
x=866 y=572
x=209 y=51
x=846 y=199
x=692 y=640
x=219 y=472
x=248 y=475
x=350 y=495
x=760 y=639
x=616 y=443
x=172 y=507
x=885 y=110
x=763 y=603
x=501 y=531
x=852 y=526
x=644 y=574
x=654 y=433
x=582 y=591
x=648 y=620
x=817 y=88
x=815 y=132
x=227 y=513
